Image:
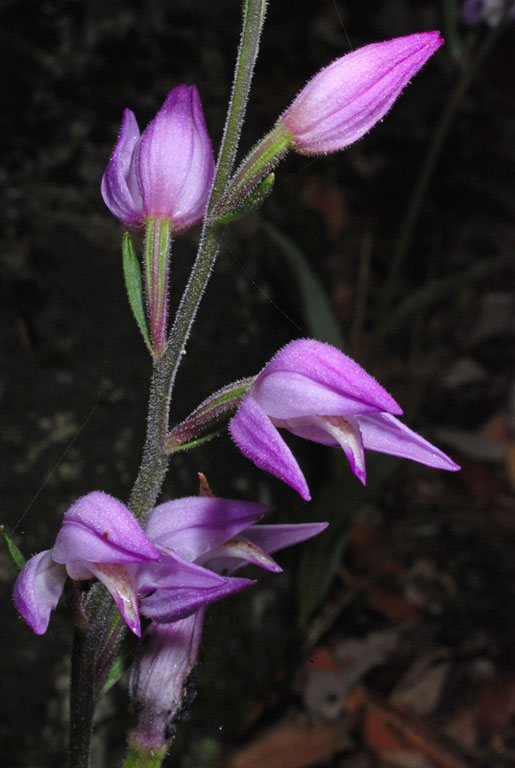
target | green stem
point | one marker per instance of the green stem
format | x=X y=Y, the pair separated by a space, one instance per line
x=253 y=19
x=410 y=221
x=98 y=606
x=154 y=463
x=139 y=759
x=87 y=648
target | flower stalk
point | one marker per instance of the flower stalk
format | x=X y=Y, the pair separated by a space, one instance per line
x=257 y=165
x=252 y=26
x=155 y=461
x=142 y=758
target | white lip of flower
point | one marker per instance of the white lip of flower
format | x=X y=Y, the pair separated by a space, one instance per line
x=241 y=548
x=344 y=429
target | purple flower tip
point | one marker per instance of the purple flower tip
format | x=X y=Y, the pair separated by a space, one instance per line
x=167 y=171
x=318 y=393
x=347 y=98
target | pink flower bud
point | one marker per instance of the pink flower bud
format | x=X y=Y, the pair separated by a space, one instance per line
x=347 y=98
x=165 y=173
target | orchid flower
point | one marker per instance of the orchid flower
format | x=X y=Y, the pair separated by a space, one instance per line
x=99 y=538
x=220 y=535
x=318 y=393
x=166 y=172
x=213 y=537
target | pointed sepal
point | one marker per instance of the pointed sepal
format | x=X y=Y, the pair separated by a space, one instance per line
x=15 y=555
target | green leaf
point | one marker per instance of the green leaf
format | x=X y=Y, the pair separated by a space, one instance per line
x=16 y=557
x=318 y=312
x=134 y=286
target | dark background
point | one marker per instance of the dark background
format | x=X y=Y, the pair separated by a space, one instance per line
x=74 y=371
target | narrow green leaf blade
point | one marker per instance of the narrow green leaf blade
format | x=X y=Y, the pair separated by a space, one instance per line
x=16 y=557
x=134 y=286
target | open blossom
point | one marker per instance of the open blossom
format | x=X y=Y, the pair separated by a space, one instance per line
x=99 y=538
x=167 y=171
x=166 y=566
x=347 y=98
x=214 y=537
x=221 y=535
x=318 y=393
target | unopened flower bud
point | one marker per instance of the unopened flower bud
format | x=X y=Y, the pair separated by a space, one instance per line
x=166 y=172
x=347 y=98
x=158 y=676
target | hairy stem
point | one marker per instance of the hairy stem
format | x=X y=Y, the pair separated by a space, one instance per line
x=87 y=650
x=81 y=699
x=253 y=19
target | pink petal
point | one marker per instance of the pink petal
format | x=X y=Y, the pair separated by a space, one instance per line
x=310 y=377
x=383 y=432
x=258 y=440
x=272 y=538
x=122 y=199
x=173 y=162
x=347 y=98
x=194 y=525
x=346 y=432
x=99 y=528
x=238 y=552
x=172 y=604
x=173 y=572
x=38 y=589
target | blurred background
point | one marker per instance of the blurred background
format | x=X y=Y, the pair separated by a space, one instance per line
x=390 y=640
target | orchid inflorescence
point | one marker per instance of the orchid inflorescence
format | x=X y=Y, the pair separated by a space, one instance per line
x=169 y=565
